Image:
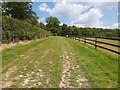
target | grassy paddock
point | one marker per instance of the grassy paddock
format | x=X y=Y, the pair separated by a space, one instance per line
x=107 y=46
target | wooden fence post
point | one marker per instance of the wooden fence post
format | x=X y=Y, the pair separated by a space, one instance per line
x=95 y=42
x=79 y=38
x=75 y=38
x=84 y=40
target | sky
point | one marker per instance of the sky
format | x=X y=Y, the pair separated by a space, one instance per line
x=80 y=14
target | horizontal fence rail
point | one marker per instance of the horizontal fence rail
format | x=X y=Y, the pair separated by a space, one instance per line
x=96 y=43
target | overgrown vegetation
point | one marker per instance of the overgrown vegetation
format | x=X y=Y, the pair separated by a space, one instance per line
x=14 y=30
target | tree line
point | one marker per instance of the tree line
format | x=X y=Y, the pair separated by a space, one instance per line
x=53 y=25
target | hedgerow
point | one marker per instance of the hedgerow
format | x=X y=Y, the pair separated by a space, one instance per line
x=14 y=30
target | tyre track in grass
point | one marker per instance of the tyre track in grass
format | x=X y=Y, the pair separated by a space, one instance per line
x=18 y=70
x=33 y=76
x=65 y=79
x=78 y=78
x=7 y=82
x=38 y=67
x=72 y=76
x=17 y=52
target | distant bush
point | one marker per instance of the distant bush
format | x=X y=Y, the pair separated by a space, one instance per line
x=14 y=30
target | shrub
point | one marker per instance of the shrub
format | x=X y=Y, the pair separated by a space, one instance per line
x=14 y=30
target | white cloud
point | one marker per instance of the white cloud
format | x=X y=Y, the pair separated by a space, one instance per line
x=33 y=0
x=41 y=19
x=76 y=0
x=102 y=5
x=90 y=18
x=81 y=14
x=61 y=24
x=107 y=5
x=67 y=10
x=105 y=27
x=115 y=25
x=44 y=7
x=77 y=14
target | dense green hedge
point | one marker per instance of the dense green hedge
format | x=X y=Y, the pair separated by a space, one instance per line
x=14 y=30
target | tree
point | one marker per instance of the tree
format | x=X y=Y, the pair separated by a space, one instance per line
x=52 y=22
x=55 y=31
x=76 y=31
x=53 y=25
x=41 y=25
x=64 y=29
x=69 y=30
x=19 y=10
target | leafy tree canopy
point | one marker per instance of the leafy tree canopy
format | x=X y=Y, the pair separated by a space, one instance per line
x=19 y=10
x=52 y=22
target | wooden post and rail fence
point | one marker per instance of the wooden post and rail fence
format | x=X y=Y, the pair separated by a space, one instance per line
x=96 y=43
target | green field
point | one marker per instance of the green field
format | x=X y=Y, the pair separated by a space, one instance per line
x=115 y=55
x=58 y=62
x=106 y=40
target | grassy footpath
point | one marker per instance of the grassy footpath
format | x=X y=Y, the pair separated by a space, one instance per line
x=40 y=64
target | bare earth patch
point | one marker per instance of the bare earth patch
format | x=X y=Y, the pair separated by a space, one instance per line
x=65 y=80
x=82 y=81
x=66 y=73
x=6 y=77
x=29 y=81
x=31 y=78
